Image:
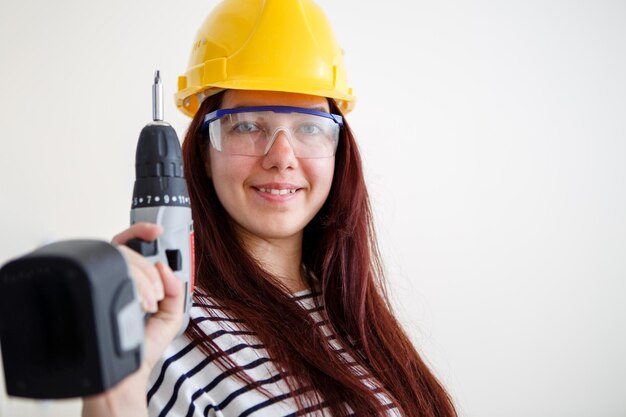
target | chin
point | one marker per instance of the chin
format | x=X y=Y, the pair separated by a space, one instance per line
x=267 y=230
x=278 y=233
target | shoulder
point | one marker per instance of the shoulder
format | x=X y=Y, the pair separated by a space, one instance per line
x=188 y=380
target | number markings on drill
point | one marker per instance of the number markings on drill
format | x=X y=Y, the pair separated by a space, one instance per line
x=149 y=199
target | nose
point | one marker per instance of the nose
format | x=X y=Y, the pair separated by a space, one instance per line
x=280 y=154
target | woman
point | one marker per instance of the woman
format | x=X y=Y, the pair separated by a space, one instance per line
x=290 y=315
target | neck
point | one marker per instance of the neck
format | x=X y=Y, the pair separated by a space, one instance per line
x=281 y=257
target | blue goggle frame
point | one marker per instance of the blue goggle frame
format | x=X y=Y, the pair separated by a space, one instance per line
x=210 y=117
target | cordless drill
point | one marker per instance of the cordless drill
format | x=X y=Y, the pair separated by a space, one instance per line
x=160 y=196
x=70 y=321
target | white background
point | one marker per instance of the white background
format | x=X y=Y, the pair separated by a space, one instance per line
x=494 y=138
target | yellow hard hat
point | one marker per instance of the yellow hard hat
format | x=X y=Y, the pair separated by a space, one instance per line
x=275 y=45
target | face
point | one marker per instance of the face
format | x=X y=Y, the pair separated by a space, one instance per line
x=273 y=196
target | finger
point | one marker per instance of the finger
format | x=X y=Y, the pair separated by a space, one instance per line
x=142 y=230
x=171 y=306
x=173 y=289
x=145 y=290
x=163 y=326
x=133 y=258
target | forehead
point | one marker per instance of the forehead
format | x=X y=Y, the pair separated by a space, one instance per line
x=247 y=98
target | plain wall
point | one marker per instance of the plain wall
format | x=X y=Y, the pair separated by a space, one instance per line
x=494 y=140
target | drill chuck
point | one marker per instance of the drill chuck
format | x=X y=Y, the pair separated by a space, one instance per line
x=159 y=169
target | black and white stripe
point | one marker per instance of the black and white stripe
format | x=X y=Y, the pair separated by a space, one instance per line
x=187 y=382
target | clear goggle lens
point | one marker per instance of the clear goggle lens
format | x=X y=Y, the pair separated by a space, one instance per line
x=251 y=131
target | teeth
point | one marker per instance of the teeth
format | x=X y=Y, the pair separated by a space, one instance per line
x=274 y=191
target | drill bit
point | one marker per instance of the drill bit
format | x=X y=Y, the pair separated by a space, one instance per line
x=157 y=98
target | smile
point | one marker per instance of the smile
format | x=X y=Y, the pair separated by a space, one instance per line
x=274 y=191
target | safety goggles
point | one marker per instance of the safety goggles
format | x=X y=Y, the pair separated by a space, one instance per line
x=251 y=131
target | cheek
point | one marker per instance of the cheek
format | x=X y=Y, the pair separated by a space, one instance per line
x=226 y=176
x=321 y=173
x=230 y=175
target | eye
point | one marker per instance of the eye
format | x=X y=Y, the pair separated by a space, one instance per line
x=309 y=129
x=245 y=127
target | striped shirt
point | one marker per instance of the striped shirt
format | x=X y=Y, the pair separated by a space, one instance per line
x=187 y=382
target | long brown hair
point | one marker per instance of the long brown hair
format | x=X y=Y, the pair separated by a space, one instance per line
x=341 y=257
